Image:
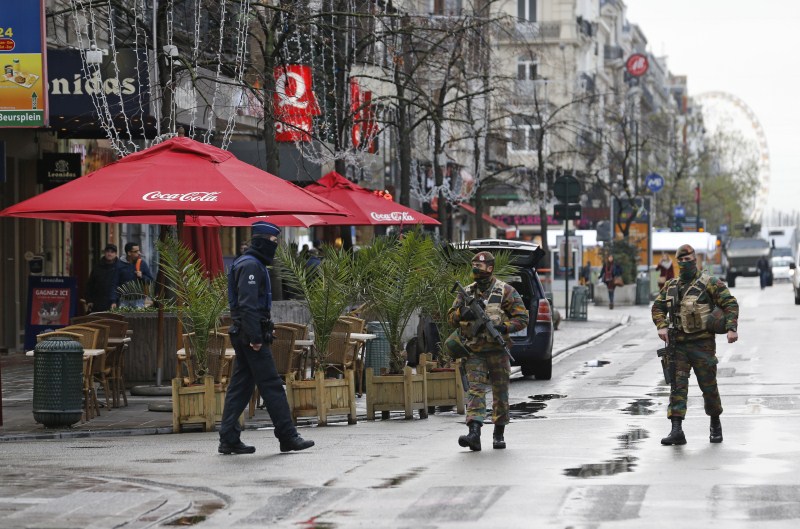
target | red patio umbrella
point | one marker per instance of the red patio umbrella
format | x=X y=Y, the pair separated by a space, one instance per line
x=179 y=178
x=366 y=207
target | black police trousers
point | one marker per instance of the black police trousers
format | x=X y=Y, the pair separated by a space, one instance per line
x=254 y=368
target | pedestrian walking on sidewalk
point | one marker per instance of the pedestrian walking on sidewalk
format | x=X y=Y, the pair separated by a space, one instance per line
x=686 y=303
x=488 y=365
x=250 y=299
x=104 y=276
x=611 y=275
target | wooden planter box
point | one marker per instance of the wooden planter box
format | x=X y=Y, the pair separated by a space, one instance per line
x=197 y=404
x=444 y=385
x=405 y=392
x=322 y=397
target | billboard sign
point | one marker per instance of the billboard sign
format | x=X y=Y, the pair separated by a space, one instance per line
x=23 y=100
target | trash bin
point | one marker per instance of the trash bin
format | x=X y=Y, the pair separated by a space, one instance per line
x=579 y=302
x=642 y=291
x=57 y=382
x=377 y=350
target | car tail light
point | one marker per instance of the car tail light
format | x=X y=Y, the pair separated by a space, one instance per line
x=543 y=313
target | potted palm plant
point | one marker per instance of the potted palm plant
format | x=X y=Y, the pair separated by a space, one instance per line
x=199 y=301
x=328 y=290
x=395 y=277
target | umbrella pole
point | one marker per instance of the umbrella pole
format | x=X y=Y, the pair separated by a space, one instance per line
x=180 y=218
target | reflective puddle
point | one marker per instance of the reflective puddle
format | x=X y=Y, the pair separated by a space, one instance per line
x=639 y=407
x=625 y=463
x=528 y=409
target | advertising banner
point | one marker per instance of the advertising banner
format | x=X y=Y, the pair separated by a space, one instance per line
x=294 y=103
x=51 y=303
x=23 y=101
x=365 y=127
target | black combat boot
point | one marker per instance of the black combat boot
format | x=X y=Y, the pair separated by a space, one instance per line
x=675 y=436
x=235 y=448
x=295 y=444
x=473 y=438
x=498 y=443
x=716 y=430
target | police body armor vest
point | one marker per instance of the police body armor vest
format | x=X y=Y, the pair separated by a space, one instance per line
x=693 y=315
x=494 y=309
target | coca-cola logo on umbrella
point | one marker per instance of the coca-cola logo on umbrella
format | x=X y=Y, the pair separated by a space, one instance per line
x=394 y=216
x=194 y=196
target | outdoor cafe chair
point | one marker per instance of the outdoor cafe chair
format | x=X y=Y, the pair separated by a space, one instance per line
x=282 y=348
x=217 y=365
x=100 y=369
x=299 y=355
x=357 y=325
x=117 y=347
x=338 y=355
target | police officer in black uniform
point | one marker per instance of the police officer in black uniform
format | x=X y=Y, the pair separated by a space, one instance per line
x=250 y=299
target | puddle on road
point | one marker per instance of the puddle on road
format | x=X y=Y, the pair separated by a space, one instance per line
x=528 y=409
x=639 y=407
x=187 y=520
x=618 y=465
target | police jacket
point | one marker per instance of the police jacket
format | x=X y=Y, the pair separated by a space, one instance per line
x=249 y=297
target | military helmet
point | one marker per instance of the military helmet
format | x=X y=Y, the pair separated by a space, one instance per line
x=483 y=257
x=715 y=321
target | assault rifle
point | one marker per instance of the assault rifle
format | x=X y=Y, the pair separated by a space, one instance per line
x=667 y=354
x=482 y=321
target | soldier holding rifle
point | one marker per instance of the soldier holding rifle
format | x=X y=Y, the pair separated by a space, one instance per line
x=688 y=311
x=486 y=313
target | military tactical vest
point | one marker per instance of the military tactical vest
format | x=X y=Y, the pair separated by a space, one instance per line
x=494 y=309
x=692 y=314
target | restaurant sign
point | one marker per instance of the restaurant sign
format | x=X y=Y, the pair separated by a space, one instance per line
x=23 y=102
x=56 y=168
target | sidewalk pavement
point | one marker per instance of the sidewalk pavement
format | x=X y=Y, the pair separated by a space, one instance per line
x=137 y=419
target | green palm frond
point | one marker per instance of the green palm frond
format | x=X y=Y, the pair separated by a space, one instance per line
x=200 y=300
x=400 y=276
x=328 y=289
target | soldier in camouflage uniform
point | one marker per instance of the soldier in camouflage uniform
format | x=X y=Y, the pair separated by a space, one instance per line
x=487 y=364
x=689 y=301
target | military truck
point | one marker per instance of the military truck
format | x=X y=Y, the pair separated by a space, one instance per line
x=740 y=258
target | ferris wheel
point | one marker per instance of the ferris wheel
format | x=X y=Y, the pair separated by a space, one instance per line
x=723 y=109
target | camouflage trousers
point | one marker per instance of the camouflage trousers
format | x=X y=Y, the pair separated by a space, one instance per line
x=488 y=371
x=701 y=356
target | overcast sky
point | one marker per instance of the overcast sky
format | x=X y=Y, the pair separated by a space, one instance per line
x=748 y=49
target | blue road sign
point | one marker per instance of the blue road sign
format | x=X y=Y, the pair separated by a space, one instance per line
x=654 y=182
x=679 y=212
x=723 y=228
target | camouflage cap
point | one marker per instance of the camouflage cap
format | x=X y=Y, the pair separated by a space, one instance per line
x=685 y=249
x=483 y=257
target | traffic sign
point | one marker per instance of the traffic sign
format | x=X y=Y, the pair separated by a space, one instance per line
x=679 y=212
x=654 y=182
x=723 y=228
x=567 y=211
x=567 y=189
x=637 y=64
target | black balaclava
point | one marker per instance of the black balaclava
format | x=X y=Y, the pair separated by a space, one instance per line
x=687 y=270
x=262 y=249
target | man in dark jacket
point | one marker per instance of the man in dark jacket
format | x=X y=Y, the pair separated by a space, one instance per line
x=250 y=299
x=134 y=269
x=104 y=276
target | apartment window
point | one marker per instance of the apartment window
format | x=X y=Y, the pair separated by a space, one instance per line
x=526 y=10
x=522 y=134
x=446 y=7
x=527 y=69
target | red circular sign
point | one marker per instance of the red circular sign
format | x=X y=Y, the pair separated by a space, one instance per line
x=637 y=64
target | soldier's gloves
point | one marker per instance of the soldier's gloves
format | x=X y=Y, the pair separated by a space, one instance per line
x=502 y=328
x=467 y=314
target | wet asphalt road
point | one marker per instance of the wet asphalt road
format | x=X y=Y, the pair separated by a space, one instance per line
x=583 y=452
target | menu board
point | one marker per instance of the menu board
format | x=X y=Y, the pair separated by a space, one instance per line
x=23 y=98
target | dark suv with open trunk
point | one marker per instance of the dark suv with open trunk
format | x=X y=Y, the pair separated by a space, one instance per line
x=532 y=348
